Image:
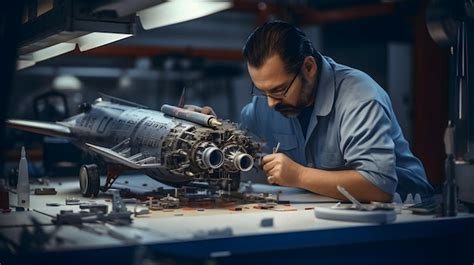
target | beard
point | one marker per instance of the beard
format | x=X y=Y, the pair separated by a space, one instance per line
x=305 y=98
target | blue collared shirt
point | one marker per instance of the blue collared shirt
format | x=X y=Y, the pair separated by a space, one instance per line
x=352 y=126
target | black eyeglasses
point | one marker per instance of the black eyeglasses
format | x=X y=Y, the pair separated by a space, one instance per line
x=280 y=94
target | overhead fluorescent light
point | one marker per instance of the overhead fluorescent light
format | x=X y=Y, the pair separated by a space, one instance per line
x=96 y=39
x=176 y=11
x=127 y=7
x=22 y=64
x=86 y=42
x=49 y=52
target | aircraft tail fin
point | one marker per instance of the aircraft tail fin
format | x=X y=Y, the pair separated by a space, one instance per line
x=121 y=101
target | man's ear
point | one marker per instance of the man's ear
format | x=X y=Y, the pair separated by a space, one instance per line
x=309 y=65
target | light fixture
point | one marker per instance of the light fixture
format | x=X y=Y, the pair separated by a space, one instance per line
x=85 y=42
x=48 y=52
x=96 y=39
x=177 y=11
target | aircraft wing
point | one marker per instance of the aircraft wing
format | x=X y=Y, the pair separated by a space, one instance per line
x=136 y=161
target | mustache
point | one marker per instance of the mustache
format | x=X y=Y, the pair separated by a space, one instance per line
x=283 y=107
x=286 y=110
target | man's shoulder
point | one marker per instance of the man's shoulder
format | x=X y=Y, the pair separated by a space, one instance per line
x=354 y=86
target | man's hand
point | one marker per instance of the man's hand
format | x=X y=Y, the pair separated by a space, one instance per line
x=204 y=110
x=281 y=170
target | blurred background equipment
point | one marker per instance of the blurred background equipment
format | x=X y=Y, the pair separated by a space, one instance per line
x=60 y=157
x=450 y=24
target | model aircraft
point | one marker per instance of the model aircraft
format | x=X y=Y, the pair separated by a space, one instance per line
x=175 y=146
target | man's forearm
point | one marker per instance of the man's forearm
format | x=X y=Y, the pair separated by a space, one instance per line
x=325 y=183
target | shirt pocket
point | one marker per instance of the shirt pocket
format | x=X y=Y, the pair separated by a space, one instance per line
x=287 y=142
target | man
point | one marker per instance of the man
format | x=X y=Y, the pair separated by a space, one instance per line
x=334 y=124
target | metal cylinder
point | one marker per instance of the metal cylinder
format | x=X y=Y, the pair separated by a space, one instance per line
x=23 y=186
x=243 y=162
x=212 y=157
x=192 y=116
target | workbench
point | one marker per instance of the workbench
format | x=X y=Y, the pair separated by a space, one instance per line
x=223 y=236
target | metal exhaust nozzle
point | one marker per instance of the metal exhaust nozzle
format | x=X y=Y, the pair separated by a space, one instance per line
x=243 y=162
x=212 y=157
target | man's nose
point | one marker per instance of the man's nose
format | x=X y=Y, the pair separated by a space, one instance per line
x=272 y=102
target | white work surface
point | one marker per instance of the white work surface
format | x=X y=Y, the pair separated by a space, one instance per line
x=177 y=225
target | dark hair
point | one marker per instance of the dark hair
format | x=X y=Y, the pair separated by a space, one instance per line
x=282 y=38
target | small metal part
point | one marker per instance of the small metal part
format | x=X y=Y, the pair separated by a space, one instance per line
x=143 y=211
x=129 y=200
x=265 y=206
x=275 y=149
x=351 y=198
x=23 y=186
x=53 y=204
x=266 y=222
x=248 y=186
x=45 y=191
x=156 y=208
x=214 y=122
x=169 y=202
x=409 y=200
x=43 y=181
x=72 y=201
x=118 y=206
x=278 y=196
x=103 y=208
x=71 y=218
x=85 y=107
x=449 y=203
x=182 y=98
x=192 y=116
x=356 y=205
x=449 y=139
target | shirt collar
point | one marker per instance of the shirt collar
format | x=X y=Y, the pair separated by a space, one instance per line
x=326 y=88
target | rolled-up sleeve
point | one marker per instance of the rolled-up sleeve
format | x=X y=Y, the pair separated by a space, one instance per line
x=366 y=144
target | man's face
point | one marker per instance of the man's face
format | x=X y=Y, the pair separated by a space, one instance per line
x=273 y=79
